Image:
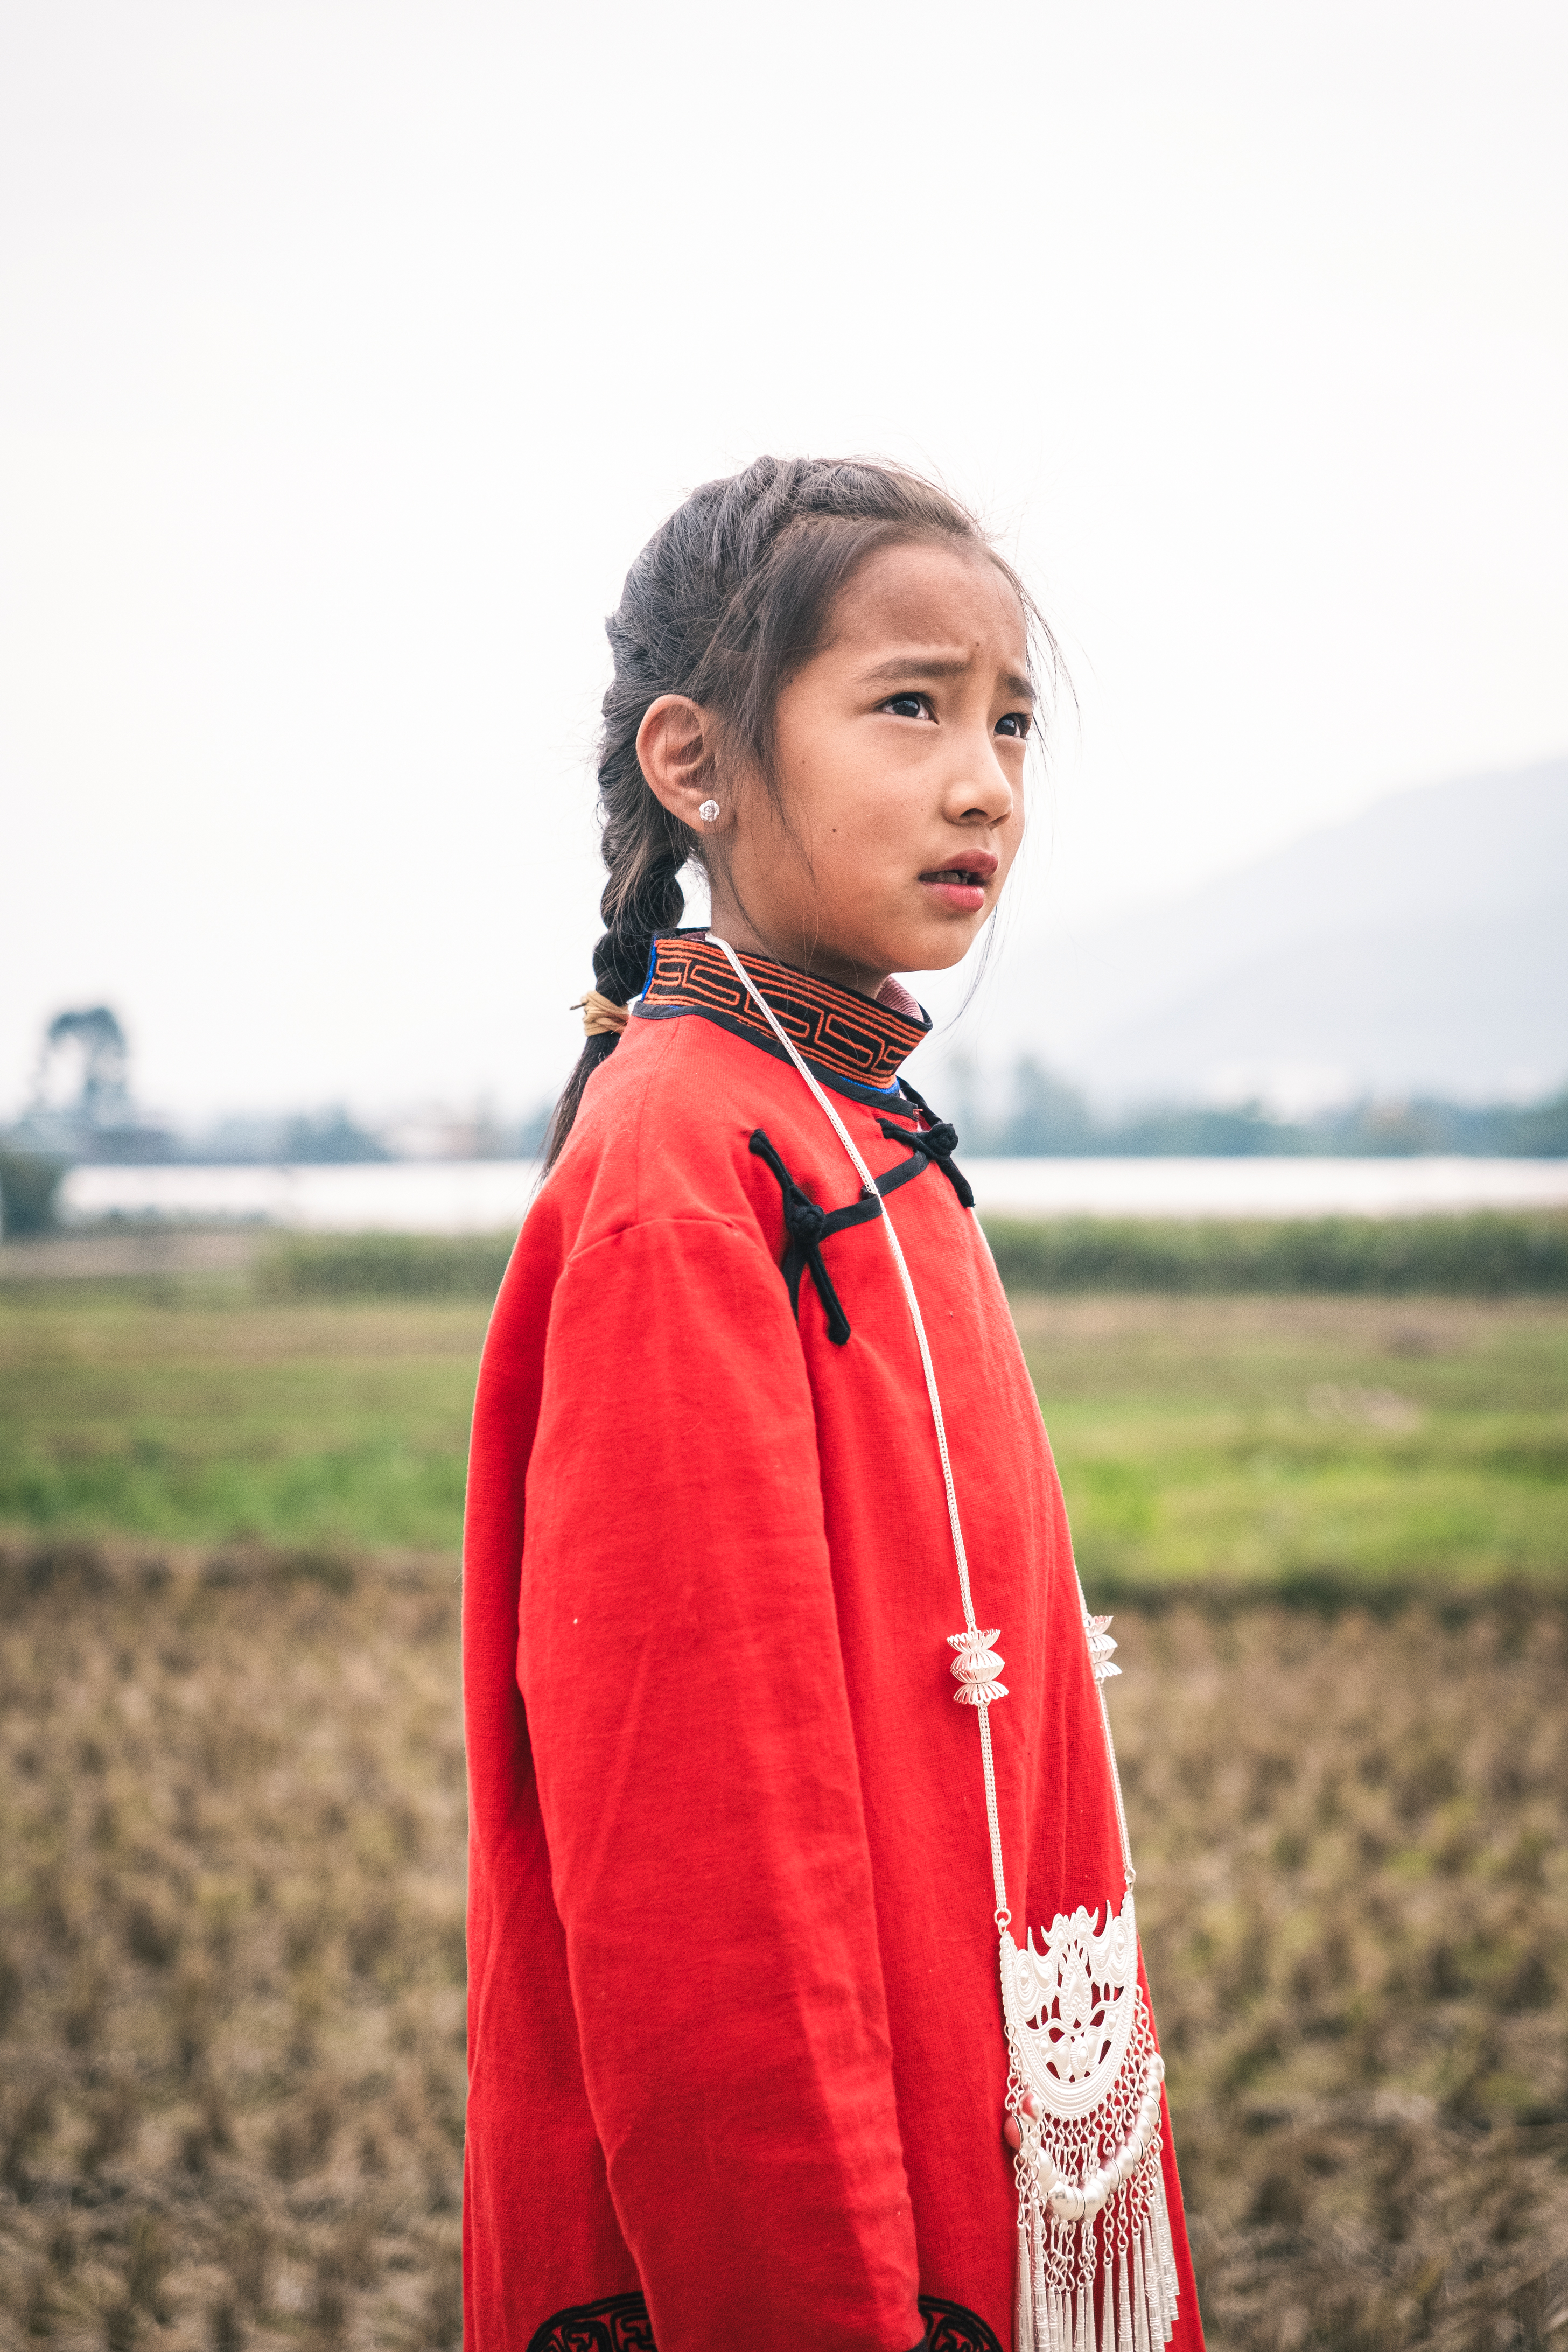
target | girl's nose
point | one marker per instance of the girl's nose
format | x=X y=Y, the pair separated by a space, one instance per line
x=982 y=788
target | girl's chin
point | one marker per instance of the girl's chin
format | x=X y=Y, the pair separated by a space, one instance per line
x=935 y=946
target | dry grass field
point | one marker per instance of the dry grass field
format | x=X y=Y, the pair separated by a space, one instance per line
x=231 y=1800
x=231 y=1963
x=1352 y=1840
x=231 y=1954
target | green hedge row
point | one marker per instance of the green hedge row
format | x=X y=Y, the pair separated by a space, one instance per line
x=1486 y=1256
x=1483 y=1254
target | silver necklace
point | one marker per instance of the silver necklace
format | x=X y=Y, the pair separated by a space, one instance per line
x=1096 y=2267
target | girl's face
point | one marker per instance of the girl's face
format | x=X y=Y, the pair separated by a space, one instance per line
x=900 y=752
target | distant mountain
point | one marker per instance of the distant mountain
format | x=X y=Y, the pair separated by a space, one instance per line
x=1420 y=948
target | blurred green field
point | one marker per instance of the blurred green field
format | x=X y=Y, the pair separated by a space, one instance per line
x=1276 y=1438
x=1253 y=1437
x=191 y=1412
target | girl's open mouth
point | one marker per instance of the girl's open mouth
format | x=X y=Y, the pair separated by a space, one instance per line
x=962 y=887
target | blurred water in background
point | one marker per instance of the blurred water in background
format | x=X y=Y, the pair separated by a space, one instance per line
x=456 y=1196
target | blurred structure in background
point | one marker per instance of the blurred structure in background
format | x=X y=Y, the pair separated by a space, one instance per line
x=81 y=1106
x=80 y=1109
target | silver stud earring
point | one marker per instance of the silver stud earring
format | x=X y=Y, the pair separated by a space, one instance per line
x=707 y=812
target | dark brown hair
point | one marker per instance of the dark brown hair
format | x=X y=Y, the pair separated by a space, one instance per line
x=728 y=600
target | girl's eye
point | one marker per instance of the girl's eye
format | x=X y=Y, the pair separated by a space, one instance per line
x=908 y=705
x=1016 y=722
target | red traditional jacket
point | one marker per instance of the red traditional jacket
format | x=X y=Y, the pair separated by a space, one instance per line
x=737 y=2059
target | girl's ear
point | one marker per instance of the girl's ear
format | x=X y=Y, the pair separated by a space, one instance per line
x=674 y=753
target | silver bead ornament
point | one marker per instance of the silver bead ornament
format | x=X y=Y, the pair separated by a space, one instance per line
x=976 y=1668
x=1101 y=1646
x=1081 y=2201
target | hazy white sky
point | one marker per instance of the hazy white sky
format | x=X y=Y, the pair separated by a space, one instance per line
x=352 y=350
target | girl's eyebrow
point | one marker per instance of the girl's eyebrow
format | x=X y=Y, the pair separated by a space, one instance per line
x=941 y=665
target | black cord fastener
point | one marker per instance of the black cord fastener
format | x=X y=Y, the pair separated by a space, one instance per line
x=809 y=1226
x=937 y=1145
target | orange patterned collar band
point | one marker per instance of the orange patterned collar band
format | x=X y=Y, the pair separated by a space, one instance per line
x=851 y=1040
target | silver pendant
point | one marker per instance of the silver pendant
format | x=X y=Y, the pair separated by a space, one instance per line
x=1096 y=2264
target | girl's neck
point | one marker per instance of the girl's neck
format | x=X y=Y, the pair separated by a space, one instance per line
x=815 y=955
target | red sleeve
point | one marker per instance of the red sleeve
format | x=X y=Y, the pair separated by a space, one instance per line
x=680 y=1662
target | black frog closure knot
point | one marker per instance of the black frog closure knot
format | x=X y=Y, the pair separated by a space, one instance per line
x=807 y=1225
x=937 y=1145
x=804 y=1218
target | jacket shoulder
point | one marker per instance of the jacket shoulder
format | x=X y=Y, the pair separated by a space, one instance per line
x=664 y=1132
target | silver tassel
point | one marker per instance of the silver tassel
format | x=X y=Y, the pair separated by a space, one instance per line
x=1167 y=2264
x=1128 y=2301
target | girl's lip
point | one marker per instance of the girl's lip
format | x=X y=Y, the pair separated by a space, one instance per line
x=960 y=887
x=979 y=863
x=963 y=898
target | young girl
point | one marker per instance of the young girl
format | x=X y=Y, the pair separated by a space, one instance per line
x=757 y=1468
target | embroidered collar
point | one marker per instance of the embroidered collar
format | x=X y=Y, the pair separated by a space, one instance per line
x=854 y=1044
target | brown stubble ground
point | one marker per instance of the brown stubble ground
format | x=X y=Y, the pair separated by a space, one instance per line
x=1354 y=1909
x=231 y=1964
x=233 y=1908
